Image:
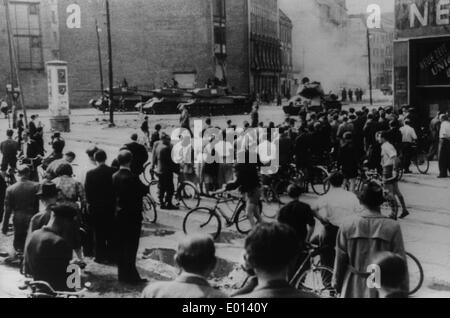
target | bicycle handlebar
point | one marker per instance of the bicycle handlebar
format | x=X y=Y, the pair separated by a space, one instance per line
x=44 y=288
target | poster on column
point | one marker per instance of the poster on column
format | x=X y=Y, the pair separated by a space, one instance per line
x=58 y=93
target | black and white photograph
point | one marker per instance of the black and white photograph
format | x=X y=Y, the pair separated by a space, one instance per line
x=225 y=153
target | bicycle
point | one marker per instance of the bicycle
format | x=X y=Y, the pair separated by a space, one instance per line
x=390 y=206
x=208 y=220
x=420 y=159
x=42 y=290
x=312 y=277
x=186 y=193
x=149 y=212
x=316 y=177
x=416 y=274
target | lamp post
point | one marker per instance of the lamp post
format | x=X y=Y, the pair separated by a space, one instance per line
x=370 y=66
x=110 y=66
x=100 y=63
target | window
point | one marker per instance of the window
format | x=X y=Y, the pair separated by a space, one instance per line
x=25 y=22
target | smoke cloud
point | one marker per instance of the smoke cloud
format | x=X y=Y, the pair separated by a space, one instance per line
x=331 y=52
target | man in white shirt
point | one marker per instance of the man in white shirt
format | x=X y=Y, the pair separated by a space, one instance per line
x=444 y=147
x=409 y=137
x=389 y=162
x=333 y=209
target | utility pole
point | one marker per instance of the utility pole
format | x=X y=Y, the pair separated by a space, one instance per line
x=14 y=69
x=110 y=65
x=100 y=63
x=370 y=66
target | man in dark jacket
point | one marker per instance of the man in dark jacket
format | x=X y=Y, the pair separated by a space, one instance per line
x=48 y=254
x=140 y=155
x=129 y=192
x=100 y=198
x=164 y=167
x=9 y=149
x=21 y=201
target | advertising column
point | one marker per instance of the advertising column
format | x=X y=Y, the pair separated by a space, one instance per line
x=58 y=95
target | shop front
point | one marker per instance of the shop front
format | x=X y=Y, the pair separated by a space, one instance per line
x=422 y=56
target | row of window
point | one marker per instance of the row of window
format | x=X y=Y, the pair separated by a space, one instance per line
x=26 y=29
x=264 y=22
x=285 y=34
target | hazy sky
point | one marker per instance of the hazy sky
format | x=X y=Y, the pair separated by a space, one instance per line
x=359 y=6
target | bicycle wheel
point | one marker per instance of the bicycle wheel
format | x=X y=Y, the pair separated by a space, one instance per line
x=189 y=195
x=146 y=176
x=272 y=203
x=149 y=209
x=318 y=180
x=422 y=163
x=317 y=280
x=416 y=276
x=154 y=192
x=242 y=222
x=202 y=221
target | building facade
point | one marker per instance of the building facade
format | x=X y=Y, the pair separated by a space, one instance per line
x=35 y=32
x=231 y=42
x=422 y=56
x=287 y=81
x=380 y=41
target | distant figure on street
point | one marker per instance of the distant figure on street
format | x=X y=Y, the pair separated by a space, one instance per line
x=196 y=258
x=254 y=117
x=350 y=95
x=444 y=147
x=140 y=155
x=20 y=128
x=344 y=95
x=9 y=149
x=155 y=137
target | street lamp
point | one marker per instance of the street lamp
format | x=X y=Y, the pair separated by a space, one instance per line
x=370 y=66
x=110 y=65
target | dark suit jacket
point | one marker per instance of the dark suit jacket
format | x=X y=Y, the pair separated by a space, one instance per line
x=129 y=192
x=140 y=157
x=99 y=187
x=32 y=129
x=162 y=159
x=47 y=256
x=21 y=201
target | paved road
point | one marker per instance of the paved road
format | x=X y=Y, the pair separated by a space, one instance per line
x=426 y=231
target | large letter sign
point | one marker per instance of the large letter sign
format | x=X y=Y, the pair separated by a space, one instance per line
x=74 y=18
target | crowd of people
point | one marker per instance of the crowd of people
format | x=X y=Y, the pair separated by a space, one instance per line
x=99 y=212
